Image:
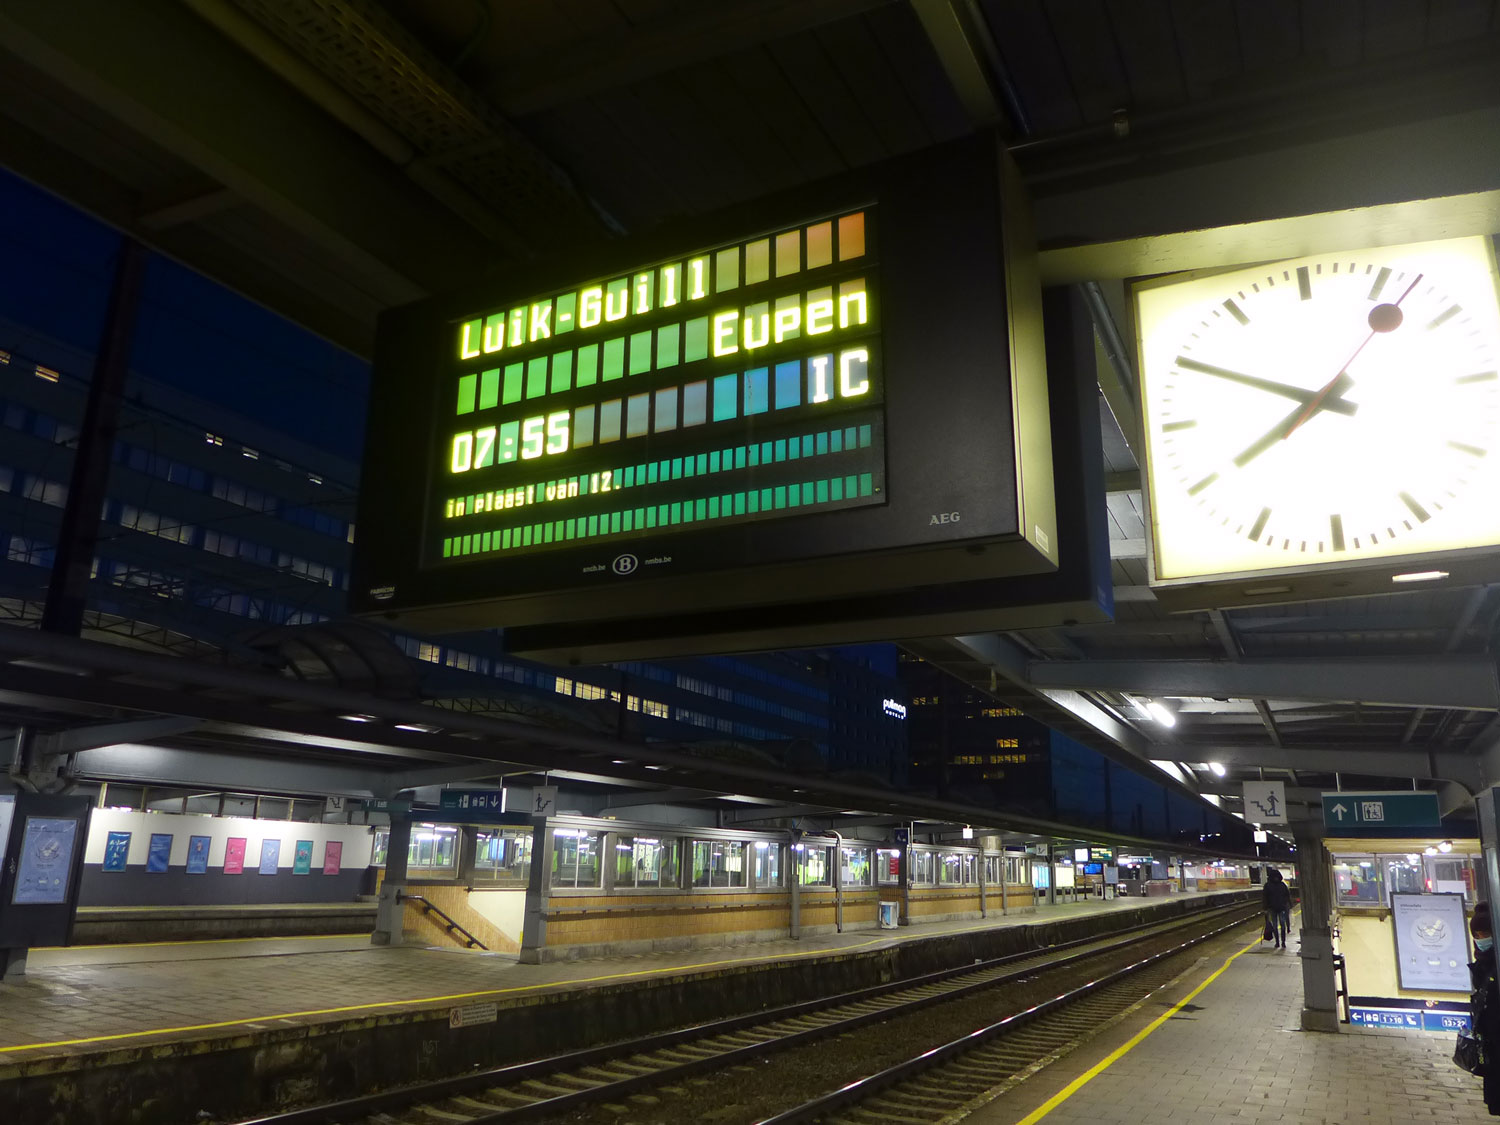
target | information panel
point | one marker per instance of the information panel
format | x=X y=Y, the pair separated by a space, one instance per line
x=1432 y=943
x=736 y=383
x=835 y=394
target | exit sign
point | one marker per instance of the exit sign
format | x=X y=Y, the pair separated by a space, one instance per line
x=1370 y=812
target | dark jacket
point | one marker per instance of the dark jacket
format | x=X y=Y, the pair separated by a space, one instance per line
x=1484 y=1014
x=1276 y=895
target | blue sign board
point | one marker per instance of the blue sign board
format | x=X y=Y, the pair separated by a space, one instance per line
x=197 y=857
x=116 y=848
x=377 y=804
x=479 y=800
x=1373 y=811
x=159 y=852
x=1410 y=1019
x=901 y=836
x=45 y=861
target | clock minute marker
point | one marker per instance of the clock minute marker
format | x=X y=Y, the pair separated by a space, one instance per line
x=1380 y=279
x=1235 y=311
x=1336 y=531
x=1477 y=377
x=1471 y=450
x=1444 y=317
x=1416 y=509
x=1173 y=427
x=1259 y=525
x=1304 y=284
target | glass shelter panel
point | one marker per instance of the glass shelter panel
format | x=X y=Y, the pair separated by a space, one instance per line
x=575 y=858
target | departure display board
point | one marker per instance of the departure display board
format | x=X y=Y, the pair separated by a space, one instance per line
x=735 y=383
x=817 y=409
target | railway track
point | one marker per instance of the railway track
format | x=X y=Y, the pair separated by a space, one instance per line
x=944 y=1084
x=560 y=1085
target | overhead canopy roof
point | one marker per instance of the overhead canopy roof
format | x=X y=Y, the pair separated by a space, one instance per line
x=333 y=158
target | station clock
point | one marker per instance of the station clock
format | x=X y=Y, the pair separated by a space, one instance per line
x=1321 y=425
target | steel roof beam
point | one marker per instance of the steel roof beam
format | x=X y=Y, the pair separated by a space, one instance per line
x=1366 y=759
x=222 y=770
x=1454 y=682
x=696 y=34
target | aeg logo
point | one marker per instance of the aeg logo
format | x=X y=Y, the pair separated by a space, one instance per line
x=942 y=517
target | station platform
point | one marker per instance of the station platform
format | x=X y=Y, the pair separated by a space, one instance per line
x=1234 y=1052
x=314 y=1017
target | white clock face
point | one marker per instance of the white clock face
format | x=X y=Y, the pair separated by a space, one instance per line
x=1327 y=409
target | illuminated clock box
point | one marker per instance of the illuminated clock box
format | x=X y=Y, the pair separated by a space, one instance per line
x=1323 y=426
x=836 y=394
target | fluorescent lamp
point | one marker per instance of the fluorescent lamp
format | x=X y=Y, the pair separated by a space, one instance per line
x=1161 y=714
x=1446 y=846
x=1218 y=768
x=1420 y=576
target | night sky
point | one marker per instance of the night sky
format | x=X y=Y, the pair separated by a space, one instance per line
x=193 y=333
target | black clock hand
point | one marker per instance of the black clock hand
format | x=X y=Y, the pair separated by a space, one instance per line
x=1329 y=399
x=1312 y=407
x=1286 y=390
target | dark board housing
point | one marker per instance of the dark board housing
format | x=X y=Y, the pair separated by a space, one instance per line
x=956 y=482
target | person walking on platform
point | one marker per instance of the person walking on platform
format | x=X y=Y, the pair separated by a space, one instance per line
x=1277 y=898
x=1484 y=1007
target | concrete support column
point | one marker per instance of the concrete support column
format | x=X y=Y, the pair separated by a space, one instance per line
x=983 y=898
x=905 y=919
x=538 y=895
x=1315 y=882
x=1489 y=842
x=390 y=912
x=796 y=855
x=1051 y=878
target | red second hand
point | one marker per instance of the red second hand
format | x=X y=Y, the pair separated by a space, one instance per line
x=1321 y=395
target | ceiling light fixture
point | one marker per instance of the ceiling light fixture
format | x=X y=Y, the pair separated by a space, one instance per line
x=1420 y=576
x=1446 y=846
x=1161 y=714
x=1218 y=768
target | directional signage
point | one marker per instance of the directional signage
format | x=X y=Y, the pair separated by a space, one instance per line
x=475 y=799
x=1402 y=809
x=1265 y=802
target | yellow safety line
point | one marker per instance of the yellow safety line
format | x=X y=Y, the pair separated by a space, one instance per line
x=426 y=999
x=454 y=996
x=195 y=941
x=1113 y=1057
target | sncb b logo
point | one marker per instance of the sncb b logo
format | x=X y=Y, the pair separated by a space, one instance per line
x=625 y=564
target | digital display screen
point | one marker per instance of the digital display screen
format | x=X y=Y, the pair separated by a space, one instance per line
x=737 y=383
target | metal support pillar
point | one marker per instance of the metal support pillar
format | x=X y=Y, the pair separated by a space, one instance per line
x=538 y=895
x=983 y=897
x=1488 y=815
x=1315 y=881
x=1051 y=877
x=905 y=919
x=390 y=911
x=67 y=590
x=796 y=855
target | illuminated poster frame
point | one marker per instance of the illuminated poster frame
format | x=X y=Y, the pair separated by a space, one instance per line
x=887 y=436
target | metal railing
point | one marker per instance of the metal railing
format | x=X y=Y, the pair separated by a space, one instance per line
x=447 y=919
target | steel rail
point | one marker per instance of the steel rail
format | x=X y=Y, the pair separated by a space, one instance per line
x=856 y=1092
x=1022 y=963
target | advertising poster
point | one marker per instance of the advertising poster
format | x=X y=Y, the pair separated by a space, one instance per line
x=7 y=814
x=234 y=855
x=116 y=848
x=1432 y=942
x=197 y=861
x=159 y=852
x=333 y=856
x=46 y=857
x=302 y=858
x=270 y=856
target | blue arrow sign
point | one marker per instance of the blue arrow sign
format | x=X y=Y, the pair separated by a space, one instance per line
x=1402 y=809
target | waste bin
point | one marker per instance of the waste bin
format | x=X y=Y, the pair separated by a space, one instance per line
x=890 y=914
